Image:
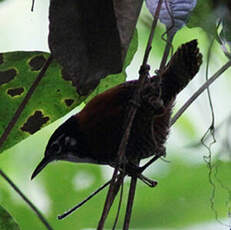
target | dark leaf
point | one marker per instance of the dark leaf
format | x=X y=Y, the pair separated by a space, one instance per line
x=127 y=12
x=207 y=14
x=84 y=39
x=90 y=38
x=115 y=79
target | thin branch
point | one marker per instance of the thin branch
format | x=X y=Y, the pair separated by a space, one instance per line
x=32 y=206
x=119 y=206
x=144 y=72
x=21 y=107
x=166 y=51
x=200 y=91
x=131 y=197
x=110 y=199
x=152 y=32
x=208 y=89
x=32 y=5
x=67 y=213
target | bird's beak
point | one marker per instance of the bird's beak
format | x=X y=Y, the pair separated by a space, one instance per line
x=41 y=165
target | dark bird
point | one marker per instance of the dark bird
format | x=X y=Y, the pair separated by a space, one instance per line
x=94 y=134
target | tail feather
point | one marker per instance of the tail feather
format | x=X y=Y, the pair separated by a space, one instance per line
x=182 y=67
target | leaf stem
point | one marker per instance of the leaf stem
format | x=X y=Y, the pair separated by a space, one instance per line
x=32 y=206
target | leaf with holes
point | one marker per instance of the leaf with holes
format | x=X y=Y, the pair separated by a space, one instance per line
x=52 y=99
x=6 y=221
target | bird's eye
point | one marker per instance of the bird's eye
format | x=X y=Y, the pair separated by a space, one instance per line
x=55 y=148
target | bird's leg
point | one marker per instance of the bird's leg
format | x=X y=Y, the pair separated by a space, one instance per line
x=156 y=157
x=151 y=183
x=133 y=170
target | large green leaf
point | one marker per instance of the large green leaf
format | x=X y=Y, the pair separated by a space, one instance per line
x=6 y=221
x=52 y=99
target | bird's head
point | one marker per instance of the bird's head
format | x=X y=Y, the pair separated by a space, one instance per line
x=63 y=145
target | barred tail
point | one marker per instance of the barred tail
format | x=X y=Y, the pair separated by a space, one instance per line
x=182 y=67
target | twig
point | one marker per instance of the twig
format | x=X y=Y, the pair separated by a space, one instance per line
x=32 y=6
x=108 y=201
x=129 y=120
x=67 y=213
x=119 y=206
x=152 y=32
x=21 y=107
x=32 y=206
x=199 y=91
x=131 y=197
x=112 y=192
x=166 y=51
x=211 y=128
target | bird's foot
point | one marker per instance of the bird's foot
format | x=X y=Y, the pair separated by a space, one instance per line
x=133 y=170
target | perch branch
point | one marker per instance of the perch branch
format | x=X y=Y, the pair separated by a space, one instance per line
x=32 y=206
x=152 y=32
x=130 y=202
x=144 y=73
x=119 y=206
x=21 y=107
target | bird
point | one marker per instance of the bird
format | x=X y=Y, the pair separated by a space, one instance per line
x=93 y=135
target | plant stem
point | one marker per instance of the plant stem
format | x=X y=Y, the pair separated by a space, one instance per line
x=144 y=73
x=166 y=51
x=113 y=189
x=200 y=91
x=32 y=206
x=84 y=201
x=152 y=32
x=131 y=197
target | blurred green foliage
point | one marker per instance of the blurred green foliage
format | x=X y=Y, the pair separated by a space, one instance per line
x=182 y=197
x=6 y=221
